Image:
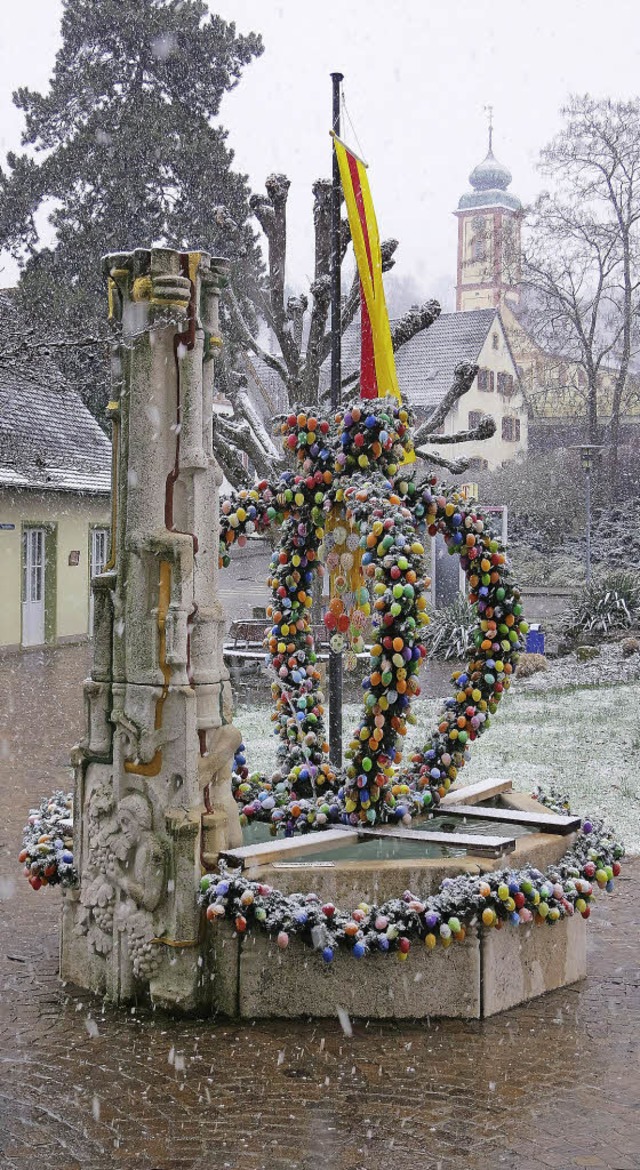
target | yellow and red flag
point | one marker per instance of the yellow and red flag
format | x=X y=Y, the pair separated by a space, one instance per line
x=377 y=366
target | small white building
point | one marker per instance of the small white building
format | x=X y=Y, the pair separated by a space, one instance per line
x=55 y=483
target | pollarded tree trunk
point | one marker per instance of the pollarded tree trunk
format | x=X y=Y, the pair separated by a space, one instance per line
x=300 y=325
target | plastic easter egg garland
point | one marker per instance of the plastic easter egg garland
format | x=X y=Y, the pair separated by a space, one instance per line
x=488 y=902
x=350 y=482
x=47 y=844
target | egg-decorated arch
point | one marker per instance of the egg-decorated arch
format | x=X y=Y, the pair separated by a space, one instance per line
x=350 y=472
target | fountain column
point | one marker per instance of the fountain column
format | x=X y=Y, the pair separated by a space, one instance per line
x=158 y=703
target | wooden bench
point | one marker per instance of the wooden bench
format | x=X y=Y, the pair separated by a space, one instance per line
x=245 y=645
x=246 y=642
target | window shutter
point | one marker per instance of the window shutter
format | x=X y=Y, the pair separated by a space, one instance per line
x=505 y=384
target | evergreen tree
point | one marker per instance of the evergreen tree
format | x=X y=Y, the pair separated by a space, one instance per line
x=122 y=151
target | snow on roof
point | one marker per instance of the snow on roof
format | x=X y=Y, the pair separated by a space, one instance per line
x=48 y=438
x=49 y=441
x=426 y=363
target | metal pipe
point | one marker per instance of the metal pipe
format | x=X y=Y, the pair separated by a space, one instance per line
x=335 y=660
x=587 y=471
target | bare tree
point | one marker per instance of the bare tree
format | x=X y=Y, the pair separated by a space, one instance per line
x=582 y=258
x=300 y=325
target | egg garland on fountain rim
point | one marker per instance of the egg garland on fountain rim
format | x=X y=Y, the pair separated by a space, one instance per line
x=489 y=901
x=350 y=474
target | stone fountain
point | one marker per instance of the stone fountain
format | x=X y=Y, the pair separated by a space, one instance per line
x=153 y=802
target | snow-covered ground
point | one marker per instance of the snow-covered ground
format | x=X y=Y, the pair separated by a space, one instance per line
x=609 y=666
x=550 y=730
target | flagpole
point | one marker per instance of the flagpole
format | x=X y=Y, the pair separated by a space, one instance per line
x=335 y=660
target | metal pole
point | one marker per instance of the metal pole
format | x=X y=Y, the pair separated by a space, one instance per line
x=335 y=660
x=587 y=471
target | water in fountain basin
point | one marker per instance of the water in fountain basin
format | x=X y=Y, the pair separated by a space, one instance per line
x=400 y=849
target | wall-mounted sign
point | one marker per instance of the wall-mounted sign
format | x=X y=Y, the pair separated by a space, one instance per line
x=74 y=556
x=7 y=527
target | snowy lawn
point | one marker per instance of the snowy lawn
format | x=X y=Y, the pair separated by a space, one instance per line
x=584 y=741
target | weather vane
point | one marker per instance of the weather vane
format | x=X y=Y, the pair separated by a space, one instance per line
x=489 y=112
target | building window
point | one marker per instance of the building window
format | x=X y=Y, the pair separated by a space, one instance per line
x=98 y=557
x=474 y=419
x=478 y=465
x=485 y=380
x=505 y=384
x=511 y=429
x=495 y=341
x=478 y=240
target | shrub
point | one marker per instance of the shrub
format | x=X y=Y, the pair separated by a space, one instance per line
x=558 y=570
x=451 y=629
x=610 y=603
x=529 y=664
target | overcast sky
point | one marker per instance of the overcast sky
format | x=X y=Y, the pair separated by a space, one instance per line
x=418 y=75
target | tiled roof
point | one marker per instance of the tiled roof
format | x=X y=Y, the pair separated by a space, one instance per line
x=48 y=438
x=269 y=393
x=425 y=364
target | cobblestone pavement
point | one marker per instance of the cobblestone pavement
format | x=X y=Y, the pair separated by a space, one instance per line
x=553 y=1085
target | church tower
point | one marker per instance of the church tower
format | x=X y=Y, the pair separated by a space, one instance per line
x=489 y=228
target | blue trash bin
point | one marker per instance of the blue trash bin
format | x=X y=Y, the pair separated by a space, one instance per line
x=535 y=640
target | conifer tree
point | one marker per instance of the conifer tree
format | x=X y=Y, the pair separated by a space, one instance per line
x=123 y=150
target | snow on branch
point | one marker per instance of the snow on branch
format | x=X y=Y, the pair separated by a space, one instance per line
x=455 y=466
x=463 y=376
x=268 y=358
x=484 y=430
x=414 y=321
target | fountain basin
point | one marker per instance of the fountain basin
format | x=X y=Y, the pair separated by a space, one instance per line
x=490 y=971
x=250 y=977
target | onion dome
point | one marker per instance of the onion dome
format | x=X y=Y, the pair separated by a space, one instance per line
x=490 y=174
x=490 y=180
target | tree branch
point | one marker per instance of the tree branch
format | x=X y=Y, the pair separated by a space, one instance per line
x=268 y=358
x=463 y=376
x=414 y=321
x=271 y=212
x=485 y=429
x=232 y=438
x=455 y=466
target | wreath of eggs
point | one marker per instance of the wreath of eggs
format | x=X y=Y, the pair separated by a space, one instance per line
x=352 y=489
